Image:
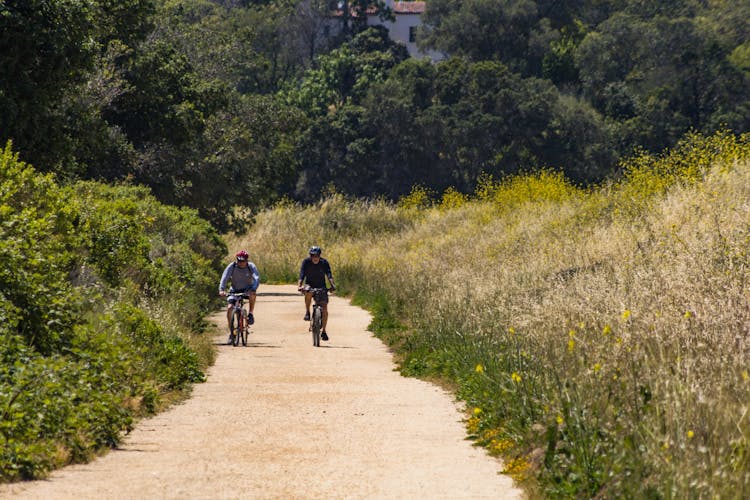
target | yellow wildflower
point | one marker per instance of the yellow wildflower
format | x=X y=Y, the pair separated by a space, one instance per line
x=479 y=368
x=626 y=314
x=571 y=345
x=559 y=420
x=516 y=468
x=688 y=314
x=690 y=434
x=606 y=330
x=597 y=367
x=745 y=376
x=515 y=377
x=477 y=411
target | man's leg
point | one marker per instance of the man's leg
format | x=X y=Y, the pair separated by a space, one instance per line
x=308 y=301
x=324 y=335
x=250 y=307
x=229 y=322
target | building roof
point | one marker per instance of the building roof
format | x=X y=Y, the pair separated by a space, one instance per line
x=408 y=7
x=398 y=8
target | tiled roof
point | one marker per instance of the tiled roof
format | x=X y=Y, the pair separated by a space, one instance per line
x=398 y=8
x=408 y=7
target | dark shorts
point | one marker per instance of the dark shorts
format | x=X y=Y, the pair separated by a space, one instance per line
x=321 y=296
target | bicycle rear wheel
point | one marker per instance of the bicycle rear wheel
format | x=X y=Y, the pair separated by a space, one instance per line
x=236 y=327
x=317 y=325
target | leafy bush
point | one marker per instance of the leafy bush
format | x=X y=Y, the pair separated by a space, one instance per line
x=100 y=287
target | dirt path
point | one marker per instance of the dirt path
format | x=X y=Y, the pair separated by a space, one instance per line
x=282 y=419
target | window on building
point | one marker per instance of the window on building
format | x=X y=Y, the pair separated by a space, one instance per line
x=412 y=34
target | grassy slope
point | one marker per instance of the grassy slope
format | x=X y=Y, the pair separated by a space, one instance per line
x=599 y=336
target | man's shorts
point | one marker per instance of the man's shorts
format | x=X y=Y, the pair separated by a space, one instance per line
x=231 y=299
x=320 y=296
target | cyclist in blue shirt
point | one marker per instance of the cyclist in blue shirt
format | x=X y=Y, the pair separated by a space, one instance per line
x=314 y=271
x=244 y=277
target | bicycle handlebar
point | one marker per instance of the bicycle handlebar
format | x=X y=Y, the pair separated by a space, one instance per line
x=307 y=288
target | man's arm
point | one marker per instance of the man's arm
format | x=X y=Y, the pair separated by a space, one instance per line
x=256 y=277
x=329 y=273
x=301 y=274
x=225 y=277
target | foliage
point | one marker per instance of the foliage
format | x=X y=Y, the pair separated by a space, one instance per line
x=654 y=71
x=445 y=125
x=484 y=30
x=596 y=336
x=646 y=175
x=47 y=49
x=182 y=96
x=344 y=75
x=98 y=289
x=37 y=229
x=252 y=48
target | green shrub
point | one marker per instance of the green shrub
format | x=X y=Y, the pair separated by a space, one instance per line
x=101 y=289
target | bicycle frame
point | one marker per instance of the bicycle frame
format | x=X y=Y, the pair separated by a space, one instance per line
x=239 y=314
x=316 y=319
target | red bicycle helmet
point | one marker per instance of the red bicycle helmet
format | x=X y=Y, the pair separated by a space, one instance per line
x=242 y=255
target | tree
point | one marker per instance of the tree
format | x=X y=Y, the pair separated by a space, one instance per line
x=307 y=29
x=502 y=30
x=659 y=78
x=345 y=74
x=247 y=161
x=47 y=49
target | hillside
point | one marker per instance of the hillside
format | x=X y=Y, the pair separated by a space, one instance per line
x=600 y=335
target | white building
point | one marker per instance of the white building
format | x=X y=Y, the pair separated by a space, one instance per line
x=408 y=18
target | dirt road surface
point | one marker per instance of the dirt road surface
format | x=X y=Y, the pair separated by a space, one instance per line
x=283 y=419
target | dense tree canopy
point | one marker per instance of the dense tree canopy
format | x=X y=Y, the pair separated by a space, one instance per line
x=47 y=49
x=227 y=105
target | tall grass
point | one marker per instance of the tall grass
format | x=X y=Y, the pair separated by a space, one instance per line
x=599 y=337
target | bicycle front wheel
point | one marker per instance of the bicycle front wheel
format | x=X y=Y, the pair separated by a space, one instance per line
x=317 y=325
x=245 y=328
x=236 y=327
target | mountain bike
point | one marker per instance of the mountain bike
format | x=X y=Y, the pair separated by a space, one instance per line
x=316 y=318
x=239 y=327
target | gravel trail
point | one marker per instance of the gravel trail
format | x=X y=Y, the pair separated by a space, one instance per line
x=282 y=419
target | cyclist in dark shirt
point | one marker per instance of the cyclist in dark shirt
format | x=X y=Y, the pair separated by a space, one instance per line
x=314 y=271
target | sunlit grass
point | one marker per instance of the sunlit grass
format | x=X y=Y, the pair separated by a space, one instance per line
x=599 y=337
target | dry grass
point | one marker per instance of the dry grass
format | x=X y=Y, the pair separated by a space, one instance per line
x=603 y=333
